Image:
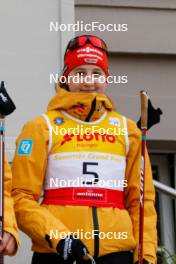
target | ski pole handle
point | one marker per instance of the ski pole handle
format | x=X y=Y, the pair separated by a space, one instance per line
x=144 y=109
x=7 y=106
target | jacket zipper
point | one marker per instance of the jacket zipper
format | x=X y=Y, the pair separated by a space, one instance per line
x=91 y=110
x=94 y=209
x=96 y=232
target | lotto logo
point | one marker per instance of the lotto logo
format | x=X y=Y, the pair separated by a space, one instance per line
x=25 y=147
x=89 y=137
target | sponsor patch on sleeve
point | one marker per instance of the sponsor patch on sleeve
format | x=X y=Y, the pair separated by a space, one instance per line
x=25 y=147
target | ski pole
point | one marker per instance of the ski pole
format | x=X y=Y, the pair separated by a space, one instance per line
x=144 y=122
x=6 y=108
x=149 y=117
x=2 y=127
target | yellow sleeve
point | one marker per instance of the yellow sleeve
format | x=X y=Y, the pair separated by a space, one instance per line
x=28 y=178
x=10 y=224
x=132 y=194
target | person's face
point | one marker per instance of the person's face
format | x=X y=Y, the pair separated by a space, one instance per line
x=91 y=79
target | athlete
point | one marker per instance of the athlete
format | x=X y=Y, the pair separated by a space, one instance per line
x=9 y=243
x=77 y=171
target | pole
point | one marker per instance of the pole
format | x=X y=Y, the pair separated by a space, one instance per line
x=2 y=128
x=6 y=107
x=144 y=122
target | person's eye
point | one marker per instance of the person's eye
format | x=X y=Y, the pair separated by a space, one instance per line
x=79 y=73
x=97 y=72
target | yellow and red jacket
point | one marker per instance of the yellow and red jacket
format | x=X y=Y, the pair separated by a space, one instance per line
x=43 y=155
x=10 y=224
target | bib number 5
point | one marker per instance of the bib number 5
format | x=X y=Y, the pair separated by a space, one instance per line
x=87 y=171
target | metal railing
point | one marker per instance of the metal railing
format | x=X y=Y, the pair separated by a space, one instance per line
x=160 y=187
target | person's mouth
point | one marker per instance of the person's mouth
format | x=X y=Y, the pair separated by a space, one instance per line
x=89 y=90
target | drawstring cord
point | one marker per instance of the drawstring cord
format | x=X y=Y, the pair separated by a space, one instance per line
x=91 y=258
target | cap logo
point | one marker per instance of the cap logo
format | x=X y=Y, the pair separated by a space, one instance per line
x=91 y=60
